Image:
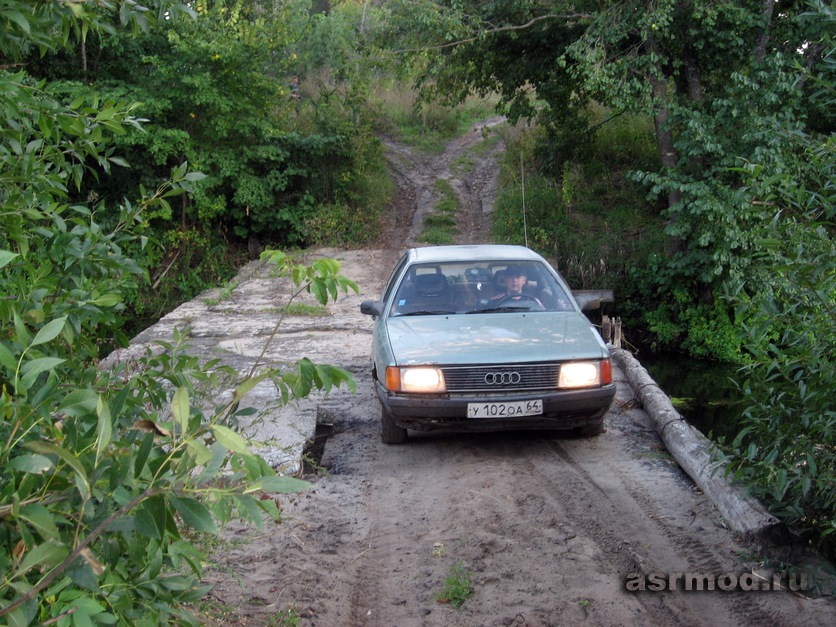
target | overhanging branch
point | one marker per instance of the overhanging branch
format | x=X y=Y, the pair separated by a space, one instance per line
x=500 y=29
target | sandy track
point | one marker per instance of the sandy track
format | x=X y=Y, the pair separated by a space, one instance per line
x=548 y=527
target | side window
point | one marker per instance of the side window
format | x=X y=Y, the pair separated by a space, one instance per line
x=390 y=284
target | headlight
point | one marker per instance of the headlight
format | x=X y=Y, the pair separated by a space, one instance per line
x=415 y=379
x=584 y=374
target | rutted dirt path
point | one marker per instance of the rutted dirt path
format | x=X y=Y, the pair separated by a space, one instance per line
x=546 y=526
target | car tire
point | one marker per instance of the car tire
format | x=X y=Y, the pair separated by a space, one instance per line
x=592 y=430
x=390 y=433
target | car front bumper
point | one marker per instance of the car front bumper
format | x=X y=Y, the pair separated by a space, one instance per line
x=561 y=410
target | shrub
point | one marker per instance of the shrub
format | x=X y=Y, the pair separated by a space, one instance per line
x=786 y=451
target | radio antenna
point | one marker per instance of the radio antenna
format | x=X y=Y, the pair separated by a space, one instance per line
x=525 y=221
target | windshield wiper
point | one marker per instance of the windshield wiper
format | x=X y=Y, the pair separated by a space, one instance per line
x=427 y=312
x=499 y=309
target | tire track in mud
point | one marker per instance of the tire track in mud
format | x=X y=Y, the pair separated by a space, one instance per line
x=660 y=546
x=475 y=187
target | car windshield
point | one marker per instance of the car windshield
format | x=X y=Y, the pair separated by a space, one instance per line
x=478 y=287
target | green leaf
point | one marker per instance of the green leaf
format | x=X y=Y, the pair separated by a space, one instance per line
x=47 y=448
x=49 y=331
x=34 y=464
x=32 y=369
x=6 y=257
x=231 y=440
x=202 y=455
x=104 y=429
x=248 y=509
x=150 y=518
x=79 y=402
x=194 y=513
x=44 y=555
x=41 y=520
x=247 y=385
x=119 y=161
x=319 y=290
x=18 y=18
x=7 y=359
x=180 y=408
x=86 y=607
x=81 y=572
x=107 y=300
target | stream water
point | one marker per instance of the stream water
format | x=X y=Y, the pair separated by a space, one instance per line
x=703 y=392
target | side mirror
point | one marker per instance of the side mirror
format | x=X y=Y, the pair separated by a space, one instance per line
x=371 y=307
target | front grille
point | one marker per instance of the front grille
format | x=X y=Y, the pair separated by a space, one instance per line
x=502 y=377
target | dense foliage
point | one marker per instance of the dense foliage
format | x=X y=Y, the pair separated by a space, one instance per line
x=715 y=77
x=281 y=168
x=109 y=475
x=787 y=449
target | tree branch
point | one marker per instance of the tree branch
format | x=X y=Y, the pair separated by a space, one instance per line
x=500 y=29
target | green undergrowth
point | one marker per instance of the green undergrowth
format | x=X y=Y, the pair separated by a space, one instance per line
x=457 y=588
x=427 y=126
x=589 y=218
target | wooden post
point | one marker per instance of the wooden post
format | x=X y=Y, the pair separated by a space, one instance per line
x=616 y=340
x=606 y=328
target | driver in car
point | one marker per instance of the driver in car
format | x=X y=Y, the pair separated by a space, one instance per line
x=515 y=280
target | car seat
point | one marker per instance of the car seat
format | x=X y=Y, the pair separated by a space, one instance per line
x=431 y=289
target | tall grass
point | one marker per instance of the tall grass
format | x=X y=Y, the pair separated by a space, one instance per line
x=440 y=226
x=589 y=219
x=427 y=126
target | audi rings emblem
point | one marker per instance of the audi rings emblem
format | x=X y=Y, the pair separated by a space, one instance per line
x=502 y=378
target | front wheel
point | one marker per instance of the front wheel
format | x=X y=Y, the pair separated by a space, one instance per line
x=390 y=433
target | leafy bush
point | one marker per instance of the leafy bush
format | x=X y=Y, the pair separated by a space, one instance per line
x=107 y=477
x=703 y=330
x=182 y=264
x=786 y=451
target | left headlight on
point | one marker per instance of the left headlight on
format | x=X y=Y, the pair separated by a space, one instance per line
x=415 y=379
x=585 y=374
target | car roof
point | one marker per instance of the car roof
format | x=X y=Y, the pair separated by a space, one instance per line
x=475 y=252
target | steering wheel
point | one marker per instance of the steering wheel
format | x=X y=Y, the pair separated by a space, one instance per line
x=522 y=297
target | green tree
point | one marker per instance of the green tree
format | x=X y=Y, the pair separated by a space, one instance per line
x=108 y=476
x=213 y=93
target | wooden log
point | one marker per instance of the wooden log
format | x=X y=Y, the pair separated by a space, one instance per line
x=743 y=513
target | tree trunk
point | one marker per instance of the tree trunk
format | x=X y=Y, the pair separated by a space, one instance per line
x=766 y=14
x=664 y=137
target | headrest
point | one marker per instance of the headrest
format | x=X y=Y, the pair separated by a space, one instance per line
x=430 y=284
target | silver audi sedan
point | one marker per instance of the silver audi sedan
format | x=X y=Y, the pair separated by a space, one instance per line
x=485 y=338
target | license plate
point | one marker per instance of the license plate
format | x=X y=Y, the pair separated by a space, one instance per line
x=505 y=410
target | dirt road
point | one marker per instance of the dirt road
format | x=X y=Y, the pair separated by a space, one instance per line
x=543 y=529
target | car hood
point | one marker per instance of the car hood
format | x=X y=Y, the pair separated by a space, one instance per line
x=494 y=338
